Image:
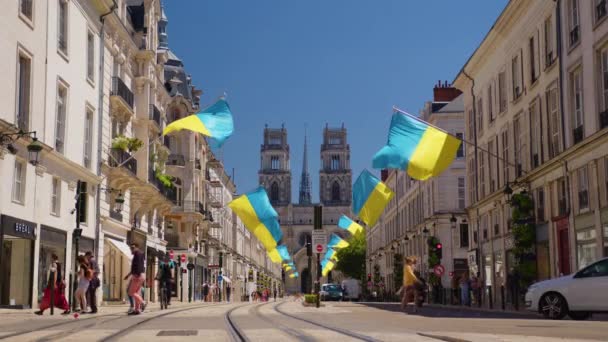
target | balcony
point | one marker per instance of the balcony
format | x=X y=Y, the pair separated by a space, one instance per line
x=189 y=207
x=577 y=134
x=155 y=115
x=176 y=159
x=123 y=159
x=121 y=97
x=604 y=119
x=169 y=192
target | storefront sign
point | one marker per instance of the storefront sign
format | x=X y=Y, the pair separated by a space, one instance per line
x=17 y=227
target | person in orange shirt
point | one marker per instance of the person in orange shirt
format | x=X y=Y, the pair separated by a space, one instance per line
x=409 y=280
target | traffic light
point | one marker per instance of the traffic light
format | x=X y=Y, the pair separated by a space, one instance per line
x=439 y=250
x=308 y=245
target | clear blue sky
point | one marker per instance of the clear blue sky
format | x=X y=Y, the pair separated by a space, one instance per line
x=317 y=61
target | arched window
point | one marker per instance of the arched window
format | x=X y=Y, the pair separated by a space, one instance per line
x=335 y=192
x=274 y=192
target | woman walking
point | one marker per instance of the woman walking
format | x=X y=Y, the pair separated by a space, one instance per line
x=465 y=288
x=54 y=277
x=84 y=279
x=409 y=282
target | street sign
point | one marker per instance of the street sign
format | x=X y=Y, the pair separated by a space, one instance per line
x=439 y=270
x=451 y=274
x=319 y=240
x=183 y=257
x=219 y=278
x=190 y=266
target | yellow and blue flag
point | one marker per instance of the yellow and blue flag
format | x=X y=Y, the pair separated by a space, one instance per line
x=331 y=255
x=259 y=217
x=347 y=224
x=214 y=122
x=279 y=254
x=336 y=242
x=294 y=275
x=370 y=197
x=417 y=147
x=326 y=266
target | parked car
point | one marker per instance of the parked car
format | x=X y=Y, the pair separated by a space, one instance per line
x=578 y=295
x=331 y=292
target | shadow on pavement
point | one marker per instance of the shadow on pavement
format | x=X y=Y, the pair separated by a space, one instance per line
x=450 y=312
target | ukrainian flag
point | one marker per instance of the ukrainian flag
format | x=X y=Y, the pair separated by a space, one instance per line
x=259 y=217
x=279 y=254
x=415 y=146
x=347 y=224
x=288 y=268
x=326 y=266
x=336 y=242
x=214 y=122
x=294 y=275
x=331 y=255
x=370 y=197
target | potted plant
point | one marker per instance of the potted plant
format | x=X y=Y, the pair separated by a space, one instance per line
x=165 y=179
x=126 y=144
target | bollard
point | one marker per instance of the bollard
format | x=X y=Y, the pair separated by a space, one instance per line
x=502 y=296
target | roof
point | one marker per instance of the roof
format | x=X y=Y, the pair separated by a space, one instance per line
x=456 y=106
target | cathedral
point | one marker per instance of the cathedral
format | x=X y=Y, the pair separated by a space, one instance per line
x=335 y=194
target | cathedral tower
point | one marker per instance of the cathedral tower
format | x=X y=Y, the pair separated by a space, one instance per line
x=305 y=186
x=275 y=171
x=335 y=178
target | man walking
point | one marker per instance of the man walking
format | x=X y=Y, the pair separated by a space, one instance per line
x=137 y=279
x=94 y=283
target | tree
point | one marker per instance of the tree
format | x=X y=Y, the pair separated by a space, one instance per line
x=351 y=259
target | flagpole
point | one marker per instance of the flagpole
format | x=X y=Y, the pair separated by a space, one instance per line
x=461 y=139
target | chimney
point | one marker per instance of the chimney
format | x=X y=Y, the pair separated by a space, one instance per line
x=444 y=92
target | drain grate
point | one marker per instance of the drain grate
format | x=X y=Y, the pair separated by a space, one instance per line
x=177 y=333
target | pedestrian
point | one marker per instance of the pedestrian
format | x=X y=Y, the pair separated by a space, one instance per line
x=409 y=282
x=465 y=288
x=94 y=283
x=137 y=278
x=84 y=278
x=205 y=292
x=54 y=277
x=228 y=294
x=274 y=294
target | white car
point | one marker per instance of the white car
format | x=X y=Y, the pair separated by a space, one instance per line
x=577 y=295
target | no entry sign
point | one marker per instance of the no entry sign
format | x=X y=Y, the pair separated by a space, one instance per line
x=439 y=270
x=319 y=240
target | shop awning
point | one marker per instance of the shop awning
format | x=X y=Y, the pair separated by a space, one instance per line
x=121 y=246
x=226 y=279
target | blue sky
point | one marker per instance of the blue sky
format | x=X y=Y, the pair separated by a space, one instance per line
x=316 y=61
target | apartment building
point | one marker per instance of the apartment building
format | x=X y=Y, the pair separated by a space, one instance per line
x=420 y=210
x=534 y=109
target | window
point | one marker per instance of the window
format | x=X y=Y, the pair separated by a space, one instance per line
x=274 y=192
x=482 y=177
x=554 y=132
x=505 y=155
x=471 y=122
x=573 y=21
x=24 y=92
x=540 y=205
x=461 y=192
x=604 y=88
x=516 y=73
x=19 y=182
x=335 y=192
x=472 y=180
x=83 y=202
x=496 y=222
x=460 y=151
x=479 y=116
x=599 y=269
x=537 y=134
x=56 y=196
x=600 y=9
x=335 y=163
x=562 y=197
x=495 y=159
x=490 y=104
x=88 y=137
x=502 y=92
x=583 y=189
x=335 y=141
x=586 y=247
x=90 y=56
x=576 y=101
x=62 y=99
x=275 y=163
x=533 y=60
x=275 y=141
x=549 y=57
x=26 y=8
x=517 y=149
x=490 y=166
x=62 y=27
x=464 y=235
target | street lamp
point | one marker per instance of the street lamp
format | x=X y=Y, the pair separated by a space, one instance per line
x=33 y=148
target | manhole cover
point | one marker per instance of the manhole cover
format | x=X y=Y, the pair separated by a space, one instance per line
x=177 y=333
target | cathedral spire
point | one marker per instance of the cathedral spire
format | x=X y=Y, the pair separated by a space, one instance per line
x=305 y=197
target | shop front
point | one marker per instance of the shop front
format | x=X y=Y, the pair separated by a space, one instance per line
x=116 y=265
x=52 y=241
x=17 y=239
